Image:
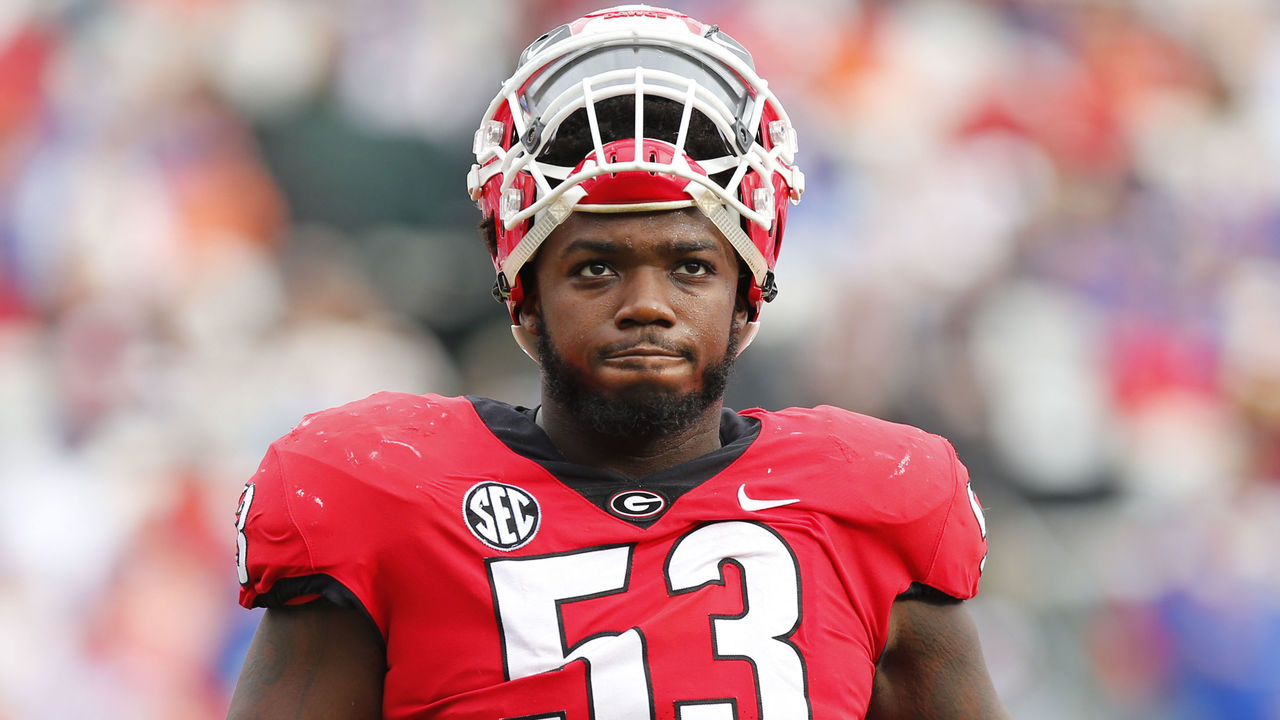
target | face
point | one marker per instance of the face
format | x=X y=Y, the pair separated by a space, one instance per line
x=637 y=316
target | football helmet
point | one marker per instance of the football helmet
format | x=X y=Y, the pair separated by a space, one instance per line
x=636 y=53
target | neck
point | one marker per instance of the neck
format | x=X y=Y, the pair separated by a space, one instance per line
x=630 y=456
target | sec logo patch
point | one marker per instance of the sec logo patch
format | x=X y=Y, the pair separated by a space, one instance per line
x=637 y=504
x=502 y=516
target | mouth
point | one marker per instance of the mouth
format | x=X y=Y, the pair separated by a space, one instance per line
x=645 y=365
x=645 y=352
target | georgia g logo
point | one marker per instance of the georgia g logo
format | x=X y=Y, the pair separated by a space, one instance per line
x=637 y=504
x=502 y=516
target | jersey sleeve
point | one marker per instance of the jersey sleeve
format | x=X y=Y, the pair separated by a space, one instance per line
x=286 y=552
x=960 y=550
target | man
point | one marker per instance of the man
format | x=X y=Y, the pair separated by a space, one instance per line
x=630 y=549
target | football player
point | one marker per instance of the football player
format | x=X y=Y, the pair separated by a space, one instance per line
x=630 y=549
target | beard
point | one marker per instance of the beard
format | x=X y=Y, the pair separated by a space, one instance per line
x=641 y=412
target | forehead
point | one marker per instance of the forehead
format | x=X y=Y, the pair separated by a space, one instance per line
x=663 y=232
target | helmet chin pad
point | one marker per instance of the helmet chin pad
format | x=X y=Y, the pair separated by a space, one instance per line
x=527 y=341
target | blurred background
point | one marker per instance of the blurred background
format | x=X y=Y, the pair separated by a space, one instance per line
x=1049 y=230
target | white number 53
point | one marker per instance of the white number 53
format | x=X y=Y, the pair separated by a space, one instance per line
x=530 y=591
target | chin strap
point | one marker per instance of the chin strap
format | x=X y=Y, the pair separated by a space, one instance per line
x=528 y=342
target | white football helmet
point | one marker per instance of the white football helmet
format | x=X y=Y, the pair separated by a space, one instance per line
x=637 y=53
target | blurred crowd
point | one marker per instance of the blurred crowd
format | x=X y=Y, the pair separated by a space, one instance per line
x=1047 y=229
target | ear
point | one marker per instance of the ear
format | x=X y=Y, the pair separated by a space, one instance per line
x=741 y=313
x=526 y=332
x=529 y=312
x=530 y=316
x=742 y=325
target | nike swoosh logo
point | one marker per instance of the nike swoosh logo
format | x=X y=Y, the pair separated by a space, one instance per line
x=752 y=505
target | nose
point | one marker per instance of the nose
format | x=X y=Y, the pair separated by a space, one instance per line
x=645 y=300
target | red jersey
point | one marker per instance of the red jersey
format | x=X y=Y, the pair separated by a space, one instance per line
x=753 y=582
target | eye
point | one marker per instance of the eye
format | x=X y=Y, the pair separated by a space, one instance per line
x=694 y=268
x=593 y=270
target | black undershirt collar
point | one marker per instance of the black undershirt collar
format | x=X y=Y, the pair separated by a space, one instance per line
x=515 y=427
